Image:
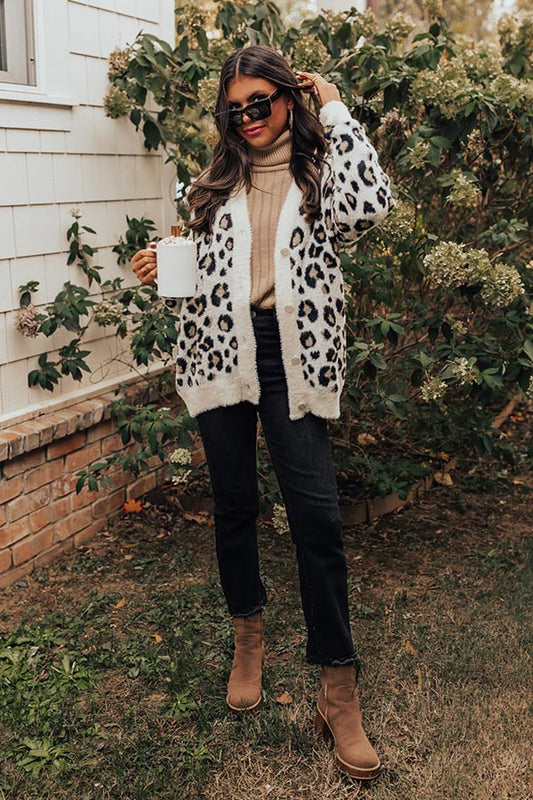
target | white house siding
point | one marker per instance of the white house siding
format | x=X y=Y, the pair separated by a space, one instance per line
x=58 y=151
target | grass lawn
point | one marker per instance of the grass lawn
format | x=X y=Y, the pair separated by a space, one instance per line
x=114 y=661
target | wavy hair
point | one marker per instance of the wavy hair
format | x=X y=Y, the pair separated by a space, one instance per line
x=230 y=167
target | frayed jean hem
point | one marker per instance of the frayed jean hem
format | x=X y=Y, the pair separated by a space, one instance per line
x=354 y=661
x=249 y=612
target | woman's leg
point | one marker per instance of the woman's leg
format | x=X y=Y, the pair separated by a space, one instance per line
x=302 y=458
x=229 y=435
x=301 y=454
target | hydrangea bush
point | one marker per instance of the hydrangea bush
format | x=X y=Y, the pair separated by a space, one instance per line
x=440 y=326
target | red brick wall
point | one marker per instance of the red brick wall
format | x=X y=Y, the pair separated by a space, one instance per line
x=41 y=515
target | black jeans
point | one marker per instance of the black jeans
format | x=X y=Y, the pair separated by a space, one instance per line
x=301 y=455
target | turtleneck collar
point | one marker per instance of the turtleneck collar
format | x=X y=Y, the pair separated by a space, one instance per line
x=275 y=155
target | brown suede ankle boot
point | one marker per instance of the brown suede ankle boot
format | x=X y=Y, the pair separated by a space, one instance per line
x=244 y=686
x=338 y=717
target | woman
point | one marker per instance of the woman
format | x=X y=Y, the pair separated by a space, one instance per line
x=264 y=334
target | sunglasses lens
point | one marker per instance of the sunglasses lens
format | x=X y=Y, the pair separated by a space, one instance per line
x=235 y=118
x=258 y=110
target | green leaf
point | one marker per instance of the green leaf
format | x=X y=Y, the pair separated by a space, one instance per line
x=528 y=348
x=441 y=141
x=152 y=134
x=135 y=117
x=202 y=39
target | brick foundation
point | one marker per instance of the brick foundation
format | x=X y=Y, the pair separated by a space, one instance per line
x=41 y=516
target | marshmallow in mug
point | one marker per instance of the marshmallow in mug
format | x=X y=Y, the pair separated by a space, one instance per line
x=176 y=267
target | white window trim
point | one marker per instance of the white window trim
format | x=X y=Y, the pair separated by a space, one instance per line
x=51 y=45
x=19 y=42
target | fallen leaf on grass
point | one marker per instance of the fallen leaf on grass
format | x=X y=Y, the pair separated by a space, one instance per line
x=121 y=603
x=444 y=478
x=132 y=506
x=366 y=438
x=408 y=647
x=156 y=637
x=284 y=699
x=201 y=517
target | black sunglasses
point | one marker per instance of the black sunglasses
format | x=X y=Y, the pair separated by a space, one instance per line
x=259 y=109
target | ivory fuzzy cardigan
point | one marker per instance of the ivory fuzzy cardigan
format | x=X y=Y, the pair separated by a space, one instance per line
x=216 y=358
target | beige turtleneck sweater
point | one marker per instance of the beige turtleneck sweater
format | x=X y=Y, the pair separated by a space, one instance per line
x=271 y=178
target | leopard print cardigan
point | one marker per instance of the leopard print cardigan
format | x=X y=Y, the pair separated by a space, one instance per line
x=216 y=359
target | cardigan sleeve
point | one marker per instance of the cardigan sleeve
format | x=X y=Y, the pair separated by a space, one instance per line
x=355 y=190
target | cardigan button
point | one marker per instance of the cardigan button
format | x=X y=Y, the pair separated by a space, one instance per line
x=289 y=309
x=295 y=360
x=285 y=252
x=302 y=406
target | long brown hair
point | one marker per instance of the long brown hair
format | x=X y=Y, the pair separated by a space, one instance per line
x=230 y=166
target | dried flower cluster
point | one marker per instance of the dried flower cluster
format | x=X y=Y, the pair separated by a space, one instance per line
x=475 y=145
x=480 y=63
x=418 y=154
x=364 y=24
x=393 y=126
x=451 y=266
x=399 y=27
x=211 y=134
x=309 y=53
x=107 y=312
x=28 y=321
x=180 y=459
x=119 y=60
x=457 y=325
x=334 y=19
x=190 y=17
x=207 y=93
x=525 y=33
x=399 y=224
x=448 y=87
x=463 y=191
x=517 y=33
x=447 y=265
x=433 y=8
x=279 y=518
x=501 y=286
x=117 y=103
x=464 y=370
x=509 y=90
x=432 y=389
x=507 y=28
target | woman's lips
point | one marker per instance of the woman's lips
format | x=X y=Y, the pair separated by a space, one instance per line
x=253 y=131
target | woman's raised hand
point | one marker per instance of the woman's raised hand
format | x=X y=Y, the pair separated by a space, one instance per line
x=144 y=265
x=316 y=84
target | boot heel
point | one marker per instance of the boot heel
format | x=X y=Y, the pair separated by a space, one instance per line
x=322 y=727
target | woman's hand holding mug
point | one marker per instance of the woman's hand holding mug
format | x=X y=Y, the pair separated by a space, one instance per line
x=144 y=265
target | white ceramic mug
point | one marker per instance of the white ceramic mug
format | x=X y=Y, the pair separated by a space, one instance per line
x=176 y=267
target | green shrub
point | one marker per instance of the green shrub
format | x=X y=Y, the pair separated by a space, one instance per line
x=440 y=329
